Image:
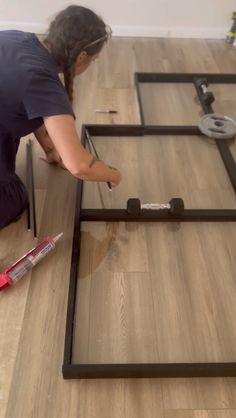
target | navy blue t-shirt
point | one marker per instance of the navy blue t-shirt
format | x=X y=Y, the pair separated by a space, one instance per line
x=30 y=89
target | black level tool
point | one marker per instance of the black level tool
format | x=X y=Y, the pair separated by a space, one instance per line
x=175 y=206
x=31 y=188
x=91 y=144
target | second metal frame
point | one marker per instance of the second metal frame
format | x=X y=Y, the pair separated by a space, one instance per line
x=222 y=146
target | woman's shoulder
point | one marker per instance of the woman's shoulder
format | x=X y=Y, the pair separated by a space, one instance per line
x=24 y=52
x=14 y=37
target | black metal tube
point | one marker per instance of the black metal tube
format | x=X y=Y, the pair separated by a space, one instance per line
x=184 y=77
x=28 y=186
x=114 y=130
x=161 y=215
x=161 y=370
x=73 y=277
x=228 y=161
x=172 y=130
x=32 y=187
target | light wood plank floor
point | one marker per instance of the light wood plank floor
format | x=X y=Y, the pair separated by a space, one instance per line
x=119 y=291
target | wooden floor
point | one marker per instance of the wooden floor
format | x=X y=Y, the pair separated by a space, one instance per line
x=173 y=284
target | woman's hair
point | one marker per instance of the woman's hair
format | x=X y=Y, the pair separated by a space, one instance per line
x=75 y=29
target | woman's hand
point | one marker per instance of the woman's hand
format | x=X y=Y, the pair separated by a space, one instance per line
x=53 y=157
x=51 y=154
x=118 y=177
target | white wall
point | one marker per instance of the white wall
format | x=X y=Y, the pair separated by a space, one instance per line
x=166 y=18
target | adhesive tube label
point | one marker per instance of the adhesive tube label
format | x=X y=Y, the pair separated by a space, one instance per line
x=20 y=270
x=26 y=264
x=41 y=252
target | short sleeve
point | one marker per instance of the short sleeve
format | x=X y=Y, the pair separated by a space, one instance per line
x=46 y=96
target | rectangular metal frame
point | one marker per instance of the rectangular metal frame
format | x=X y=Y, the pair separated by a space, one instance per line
x=222 y=146
x=131 y=370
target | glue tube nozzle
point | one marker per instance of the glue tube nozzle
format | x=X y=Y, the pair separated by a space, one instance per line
x=57 y=237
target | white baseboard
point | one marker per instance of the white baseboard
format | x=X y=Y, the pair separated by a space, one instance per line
x=170 y=32
x=24 y=26
x=135 y=31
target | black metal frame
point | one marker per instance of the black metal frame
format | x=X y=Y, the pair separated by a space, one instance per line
x=222 y=146
x=131 y=370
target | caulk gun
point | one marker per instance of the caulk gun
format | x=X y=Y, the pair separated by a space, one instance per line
x=15 y=272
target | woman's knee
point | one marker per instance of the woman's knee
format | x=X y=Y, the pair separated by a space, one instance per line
x=13 y=200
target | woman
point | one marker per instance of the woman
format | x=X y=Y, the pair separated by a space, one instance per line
x=33 y=99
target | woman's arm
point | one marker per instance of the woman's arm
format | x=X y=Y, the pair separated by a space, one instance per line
x=52 y=156
x=62 y=132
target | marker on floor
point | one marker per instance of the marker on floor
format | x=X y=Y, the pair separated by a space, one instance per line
x=105 y=111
